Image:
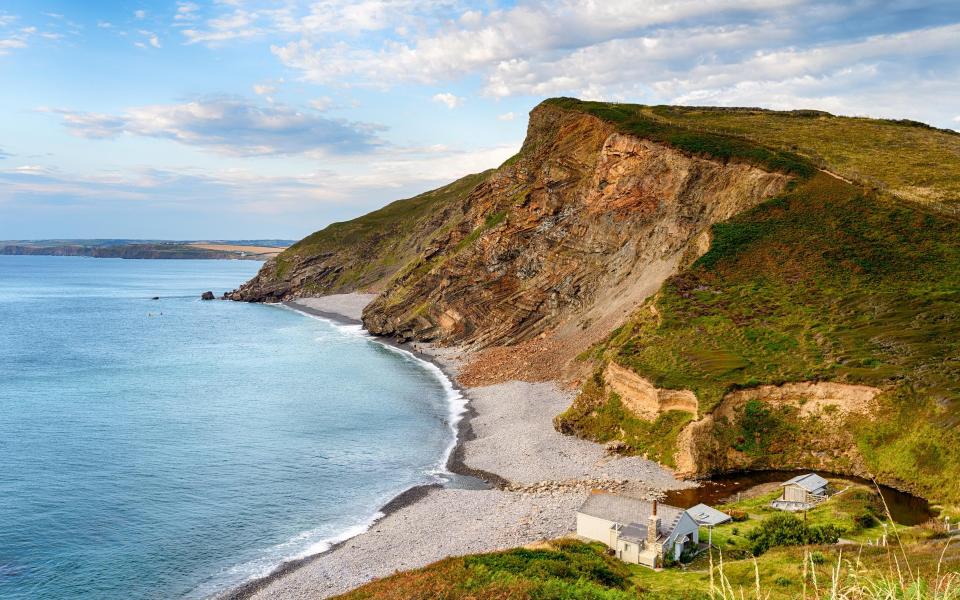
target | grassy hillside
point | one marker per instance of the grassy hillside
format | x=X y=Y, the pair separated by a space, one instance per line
x=570 y=570
x=384 y=239
x=907 y=159
x=910 y=160
x=363 y=253
x=830 y=282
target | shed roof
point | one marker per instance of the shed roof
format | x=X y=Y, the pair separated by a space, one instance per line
x=707 y=515
x=810 y=482
x=630 y=511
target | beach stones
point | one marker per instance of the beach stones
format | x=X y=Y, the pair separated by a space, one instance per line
x=207 y=296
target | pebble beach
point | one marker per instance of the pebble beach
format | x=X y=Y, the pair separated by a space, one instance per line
x=542 y=476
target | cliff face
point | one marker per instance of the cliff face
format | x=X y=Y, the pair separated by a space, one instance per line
x=563 y=243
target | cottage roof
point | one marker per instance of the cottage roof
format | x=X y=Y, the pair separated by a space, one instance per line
x=631 y=512
x=810 y=482
x=707 y=515
x=635 y=532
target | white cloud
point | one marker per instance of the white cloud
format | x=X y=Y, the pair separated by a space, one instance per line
x=186 y=11
x=679 y=51
x=263 y=89
x=11 y=44
x=151 y=38
x=509 y=116
x=956 y=119
x=481 y=41
x=451 y=101
x=104 y=24
x=229 y=126
x=240 y=24
x=139 y=14
x=323 y=103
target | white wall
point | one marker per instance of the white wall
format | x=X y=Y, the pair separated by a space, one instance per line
x=594 y=528
x=685 y=526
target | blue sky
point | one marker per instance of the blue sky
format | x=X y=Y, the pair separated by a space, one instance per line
x=272 y=118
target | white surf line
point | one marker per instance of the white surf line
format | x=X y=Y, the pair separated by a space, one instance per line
x=456 y=401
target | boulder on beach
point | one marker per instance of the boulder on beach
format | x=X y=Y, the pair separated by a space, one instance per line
x=207 y=296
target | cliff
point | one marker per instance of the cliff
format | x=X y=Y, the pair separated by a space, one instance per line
x=663 y=259
x=567 y=238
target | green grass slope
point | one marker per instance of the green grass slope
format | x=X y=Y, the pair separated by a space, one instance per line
x=365 y=251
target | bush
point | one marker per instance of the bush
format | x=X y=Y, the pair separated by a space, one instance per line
x=818 y=558
x=738 y=516
x=789 y=530
x=568 y=561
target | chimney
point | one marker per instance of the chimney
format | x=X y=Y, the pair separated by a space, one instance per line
x=653 y=527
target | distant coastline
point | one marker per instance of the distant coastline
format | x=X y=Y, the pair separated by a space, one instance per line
x=149 y=249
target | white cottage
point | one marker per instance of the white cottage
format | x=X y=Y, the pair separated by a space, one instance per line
x=638 y=531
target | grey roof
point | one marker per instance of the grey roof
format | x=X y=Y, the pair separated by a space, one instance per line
x=810 y=482
x=707 y=515
x=635 y=532
x=630 y=511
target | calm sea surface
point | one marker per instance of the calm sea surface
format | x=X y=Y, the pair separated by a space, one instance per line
x=173 y=447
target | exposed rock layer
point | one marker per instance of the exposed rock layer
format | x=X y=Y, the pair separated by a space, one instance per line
x=644 y=399
x=567 y=240
x=821 y=440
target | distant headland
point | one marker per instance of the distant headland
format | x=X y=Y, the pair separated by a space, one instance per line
x=139 y=249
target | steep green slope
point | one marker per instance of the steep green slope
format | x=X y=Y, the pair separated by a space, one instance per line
x=361 y=253
x=827 y=283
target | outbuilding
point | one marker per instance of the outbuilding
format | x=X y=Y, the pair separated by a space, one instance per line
x=638 y=531
x=802 y=492
x=707 y=516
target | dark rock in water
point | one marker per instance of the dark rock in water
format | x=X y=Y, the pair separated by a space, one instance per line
x=155 y=298
x=207 y=296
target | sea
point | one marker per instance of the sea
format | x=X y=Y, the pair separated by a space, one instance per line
x=176 y=448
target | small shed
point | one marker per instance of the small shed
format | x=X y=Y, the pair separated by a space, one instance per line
x=707 y=516
x=802 y=492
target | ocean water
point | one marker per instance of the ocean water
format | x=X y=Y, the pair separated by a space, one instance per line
x=175 y=448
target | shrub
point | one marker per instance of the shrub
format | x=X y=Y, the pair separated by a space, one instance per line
x=738 y=516
x=789 y=530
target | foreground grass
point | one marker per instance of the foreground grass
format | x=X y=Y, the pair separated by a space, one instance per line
x=572 y=570
x=916 y=565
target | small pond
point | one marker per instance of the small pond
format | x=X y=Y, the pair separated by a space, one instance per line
x=905 y=508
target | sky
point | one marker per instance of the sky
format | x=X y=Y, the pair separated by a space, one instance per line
x=245 y=119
